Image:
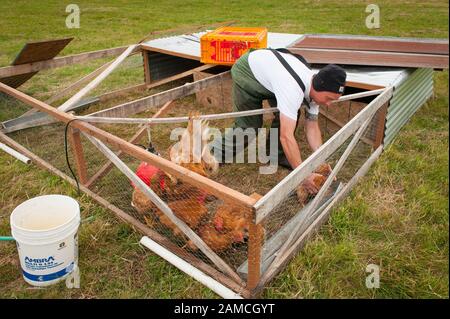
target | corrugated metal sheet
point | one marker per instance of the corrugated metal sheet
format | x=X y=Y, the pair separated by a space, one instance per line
x=407 y=98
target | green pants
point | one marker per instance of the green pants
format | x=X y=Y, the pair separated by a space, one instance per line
x=247 y=94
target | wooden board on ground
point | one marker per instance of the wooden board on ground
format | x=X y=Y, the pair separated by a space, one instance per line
x=34 y=119
x=34 y=52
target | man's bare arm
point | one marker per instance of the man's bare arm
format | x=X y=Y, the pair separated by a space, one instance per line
x=313 y=134
x=292 y=150
x=288 y=142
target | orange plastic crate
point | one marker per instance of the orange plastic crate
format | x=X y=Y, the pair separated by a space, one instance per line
x=226 y=44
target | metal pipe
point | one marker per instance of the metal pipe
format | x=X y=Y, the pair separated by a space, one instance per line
x=359 y=95
x=190 y=270
x=219 y=116
x=14 y=153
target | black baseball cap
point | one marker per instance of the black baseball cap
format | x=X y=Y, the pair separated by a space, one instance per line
x=331 y=78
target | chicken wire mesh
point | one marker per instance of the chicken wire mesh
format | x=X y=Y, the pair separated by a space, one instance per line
x=210 y=217
x=204 y=213
x=223 y=226
x=294 y=213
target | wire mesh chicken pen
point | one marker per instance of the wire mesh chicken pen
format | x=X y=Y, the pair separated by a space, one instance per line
x=234 y=224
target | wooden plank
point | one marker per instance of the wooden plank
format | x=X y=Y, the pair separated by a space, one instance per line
x=27 y=121
x=33 y=52
x=109 y=95
x=60 y=61
x=353 y=57
x=34 y=119
x=164 y=208
x=136 y=137
x=254 y=255
x=147 y=78
x=137 y=225
x=143 y=104
x=41 y=50
x=290 y=182
x=386 y=44
x=95 y=82
x=255 y=239
x=77 y=148
x=225 y=193
x=315 y=225
x=380 y=126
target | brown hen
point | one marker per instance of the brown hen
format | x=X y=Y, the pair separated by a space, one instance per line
x=229 y=225
x=188 y=210
x=216 y=240
x=324 y=171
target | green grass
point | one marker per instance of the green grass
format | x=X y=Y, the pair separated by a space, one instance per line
x=396 y=217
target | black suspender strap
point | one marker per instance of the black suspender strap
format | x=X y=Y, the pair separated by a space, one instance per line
x=289 y=69
x=298 y=56
x=292 y=72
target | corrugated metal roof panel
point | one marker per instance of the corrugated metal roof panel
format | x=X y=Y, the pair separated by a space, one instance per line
x=406 y=100
x=376 y=76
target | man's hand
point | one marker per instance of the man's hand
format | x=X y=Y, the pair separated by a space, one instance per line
x=309 y=184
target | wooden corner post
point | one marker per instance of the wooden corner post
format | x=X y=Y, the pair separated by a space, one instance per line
x=254 y=255
x=255 y=238
x=146 y=62
x=380 y=126
x=77 y=148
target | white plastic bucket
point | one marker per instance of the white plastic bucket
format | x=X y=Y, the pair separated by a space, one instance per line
x=45 y=229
